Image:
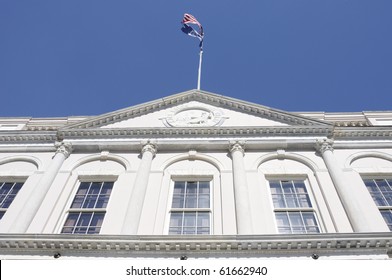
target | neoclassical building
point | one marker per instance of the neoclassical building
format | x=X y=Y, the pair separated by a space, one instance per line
x=200 y=175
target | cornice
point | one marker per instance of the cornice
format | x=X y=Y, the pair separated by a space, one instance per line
x=379 y=132
x=28 y=136
x=196 y=132
x=209 y=245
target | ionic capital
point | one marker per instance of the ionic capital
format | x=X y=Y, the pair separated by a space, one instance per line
x=323 y=145
x=150 y=147
x=237 y=146
x=64 y=148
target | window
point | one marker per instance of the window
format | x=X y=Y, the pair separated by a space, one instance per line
x=8 y=191
x=88 y=208
x=191 y=210
x=292 y=207
x=381 y=192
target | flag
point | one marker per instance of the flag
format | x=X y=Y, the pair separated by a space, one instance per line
x=188 y=29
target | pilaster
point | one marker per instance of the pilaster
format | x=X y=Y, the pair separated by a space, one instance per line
x=241 y=192
x=136 y=201
x=359 y=206
x=36 y=198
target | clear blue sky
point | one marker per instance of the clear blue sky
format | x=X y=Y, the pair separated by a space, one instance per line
x=88 y=57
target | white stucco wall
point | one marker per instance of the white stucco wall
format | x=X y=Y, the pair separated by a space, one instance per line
x=166 y=166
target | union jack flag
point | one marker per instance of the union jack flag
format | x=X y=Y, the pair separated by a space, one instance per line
x=187 y=29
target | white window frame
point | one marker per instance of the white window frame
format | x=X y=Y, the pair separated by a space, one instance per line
x=15 y=181
x=301 y=210
x=382 y=207
x=82 y=179
x=209 y=210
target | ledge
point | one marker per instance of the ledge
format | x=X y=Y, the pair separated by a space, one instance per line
x=196 y=246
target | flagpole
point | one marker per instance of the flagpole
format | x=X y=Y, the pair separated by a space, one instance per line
x=199 y=73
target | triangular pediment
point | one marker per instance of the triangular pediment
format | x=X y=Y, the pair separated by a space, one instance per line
x=196 y=109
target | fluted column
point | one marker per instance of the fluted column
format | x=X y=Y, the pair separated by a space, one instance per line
x=135 y=206
x=243 y=215
x=32 y=205
x=358 y=204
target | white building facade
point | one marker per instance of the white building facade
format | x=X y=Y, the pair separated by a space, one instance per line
x=200 y=175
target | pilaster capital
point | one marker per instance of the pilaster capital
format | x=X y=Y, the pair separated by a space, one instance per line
x=64 y=148
x=237 y=146
x=323 y=145
x=150 y=147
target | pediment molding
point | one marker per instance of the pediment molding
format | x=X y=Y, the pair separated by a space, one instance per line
x=203 y=97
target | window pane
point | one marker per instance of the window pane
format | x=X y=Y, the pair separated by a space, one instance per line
x=2 y=197
x=275 y=187
x=191 y=230
x=83 y=188
x=304 y=200
x=300 y=187
x=2 y=214
x=309 y=219
x=283 y=222
x=190 y=219
x=203 y=219
x=102 y=201
x=287 y=187
x=297 y=225
x=16 y=188
x=291 y=201
x=90 y=201
x=204 y=201
x=278 y=201
x=371 y=185
x=175 y=230
x=84 y=219
x=179 y=187
x=203 y=230
x=295 y=219
x=178 y=201
x=93 y=230
x=7 y=187
x=190 y=201
x=7 y=201
x=383 y=185
x=379 y=199
x=80 y=230
x=77 y=203
x=97 y=219
x=388 y=197
x=176 y=220
x=71 y=220
x=191 y=188
x=204 y=187
x=107 y=188
x=67 y=230
x=95 y=188
x=178 y=195
x=387 y=215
